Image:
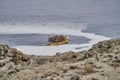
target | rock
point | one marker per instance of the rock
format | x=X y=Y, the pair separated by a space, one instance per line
x=108 y=46
x=2 y=73
x=4 y=61
x=83 y=55
x=9 y=59
x=84 y=65
x=98 y=66
x=102 y=74
x=92 y=78
x=87 y=55
x=10 y=72
x=80 y=58
x=13 y=54
x=110 y=63
x=115 y=59
x=71 y=56
x=89 y=67
x=104 y=60
x=73 y=67
x=106 y=78
x=96 y=57
x=10 y=54
x=2 y=53
x=25 y=58
x=81 y=72
x=58 y=54
x=7 y=66
x=75 y=77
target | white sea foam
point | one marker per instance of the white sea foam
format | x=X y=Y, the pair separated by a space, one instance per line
x=50 y=50
x=65 y=29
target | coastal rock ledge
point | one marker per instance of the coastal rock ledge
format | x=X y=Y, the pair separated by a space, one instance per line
x=100 y=62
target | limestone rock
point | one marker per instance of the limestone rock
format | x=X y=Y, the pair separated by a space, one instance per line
x=97 y=63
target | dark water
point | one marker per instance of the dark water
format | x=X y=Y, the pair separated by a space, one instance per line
x=35 y=39
x=90 y=11
x=109 y=30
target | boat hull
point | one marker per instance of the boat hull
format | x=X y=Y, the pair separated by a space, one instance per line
x=59 y=43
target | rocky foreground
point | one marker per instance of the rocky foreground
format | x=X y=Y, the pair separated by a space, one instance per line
x=101 y=62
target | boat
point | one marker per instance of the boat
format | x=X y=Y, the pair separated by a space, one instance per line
x=57 y=40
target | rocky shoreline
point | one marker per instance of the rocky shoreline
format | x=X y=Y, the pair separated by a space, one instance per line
x=100 y=62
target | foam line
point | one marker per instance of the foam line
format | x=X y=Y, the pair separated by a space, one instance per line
x=52 y=50
x=52 y=29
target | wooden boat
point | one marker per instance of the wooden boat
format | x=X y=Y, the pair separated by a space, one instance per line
x=57 y=40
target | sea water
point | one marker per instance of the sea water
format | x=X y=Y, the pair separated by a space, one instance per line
x=27 y=24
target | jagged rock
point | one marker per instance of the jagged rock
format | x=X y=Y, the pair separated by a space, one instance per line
x=84 y=65
x=108 y=46
x=75 y=77
x=89 y=67
x=9 y=65
x=65 y=56
x=98 y=66
x=92 y=78
x=9 y=59
x=12 y=53
x=4 y=61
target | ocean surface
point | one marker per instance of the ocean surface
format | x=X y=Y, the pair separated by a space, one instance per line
x=27 y=24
